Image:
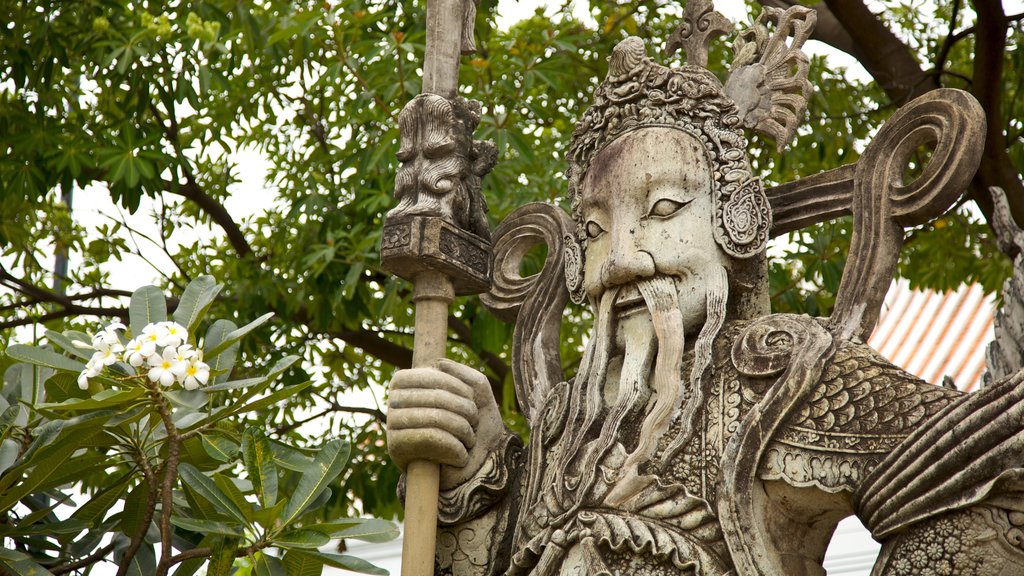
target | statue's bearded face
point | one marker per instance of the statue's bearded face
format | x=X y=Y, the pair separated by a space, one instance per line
x=647 y=211
x=659 y=284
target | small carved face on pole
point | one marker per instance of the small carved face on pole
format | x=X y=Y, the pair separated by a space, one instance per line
x=647 y=211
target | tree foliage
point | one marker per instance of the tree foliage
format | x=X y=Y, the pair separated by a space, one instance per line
x=124 y=431
x=151 y=101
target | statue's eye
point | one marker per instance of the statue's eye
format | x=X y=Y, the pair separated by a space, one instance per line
x=665 y=207
x=593 y=229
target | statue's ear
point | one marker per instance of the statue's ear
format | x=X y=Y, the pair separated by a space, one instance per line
x=573 y=254
x=768 y=80
x=743 y=219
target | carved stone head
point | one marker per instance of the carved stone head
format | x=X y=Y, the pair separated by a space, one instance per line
x=656 y=133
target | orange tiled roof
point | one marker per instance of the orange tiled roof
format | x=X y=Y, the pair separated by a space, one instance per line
x=931 y=334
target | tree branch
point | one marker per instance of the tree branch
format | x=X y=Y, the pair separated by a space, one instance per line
x=190 y=190
x=82 y=563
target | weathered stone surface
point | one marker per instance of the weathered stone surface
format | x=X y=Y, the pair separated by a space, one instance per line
x=703 y=435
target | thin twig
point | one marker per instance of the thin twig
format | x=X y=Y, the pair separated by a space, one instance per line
x=82 y=563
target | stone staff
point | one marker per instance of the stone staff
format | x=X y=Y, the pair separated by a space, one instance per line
x=438 y=236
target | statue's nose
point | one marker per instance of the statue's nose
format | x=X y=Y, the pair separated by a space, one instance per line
x=627 y=261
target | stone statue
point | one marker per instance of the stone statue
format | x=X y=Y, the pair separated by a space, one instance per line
x=703 y=435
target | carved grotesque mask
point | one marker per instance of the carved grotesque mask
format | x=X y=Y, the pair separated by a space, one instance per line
x=647 y=210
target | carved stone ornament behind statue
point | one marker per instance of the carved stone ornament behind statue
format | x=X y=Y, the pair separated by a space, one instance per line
x=703 y=435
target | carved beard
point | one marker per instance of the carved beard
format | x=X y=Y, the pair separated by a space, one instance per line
x=675 y=395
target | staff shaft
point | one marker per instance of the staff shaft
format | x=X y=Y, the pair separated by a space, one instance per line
x=432 y=292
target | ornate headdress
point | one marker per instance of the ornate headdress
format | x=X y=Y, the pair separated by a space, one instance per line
x=767 y=92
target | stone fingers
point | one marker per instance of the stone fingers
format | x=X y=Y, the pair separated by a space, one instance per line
x=420 y=399
x=431 y=444
x=481 y=387
x=433 y=419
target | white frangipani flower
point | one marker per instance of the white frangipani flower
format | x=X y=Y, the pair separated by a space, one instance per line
x=108 y=340
x=154 y=333
x=104 y=357
x=163 y=366
x=92 y=369
x=196 y=373
x=174 y=334
x=138 y=351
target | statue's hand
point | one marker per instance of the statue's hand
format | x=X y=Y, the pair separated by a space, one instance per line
x=446 y=415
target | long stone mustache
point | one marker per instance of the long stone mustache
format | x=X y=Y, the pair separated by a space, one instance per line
x=717 y=288
x=677 y=397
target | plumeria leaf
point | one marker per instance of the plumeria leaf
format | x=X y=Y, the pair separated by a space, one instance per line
x=22 y=566
x=207 y=488
x=44 y=357
x=134 y=509
x=346 y=562
x=8 y=419
x=236 y=334
x=221 y=362
x=237 y=384
x=219 y=447
x=302 y=538
x=206 y=526
x=290 y=458
x=63 y=386
x=259 y=462
x=223 y=556
x=327 y=465
x=68 y=345
x=279 y=367
x=195 y=300
x=267 y=565
x=39 y=473
x=93 y=512
x=298 y=563
x=147 y=306
x=104 y=399
x=366 y=529
x=229 y=487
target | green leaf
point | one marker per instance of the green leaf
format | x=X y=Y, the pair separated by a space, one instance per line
x=347 y=562
x=22 y=567
x=267 y=565
x=223 y=557
x=135 y=505
x=366 y=529
x=44 y=357
x=219 y=447
x=257 y=405
x=222 y=362
x=206 y=526
x=236 y=384
x=147 y=306
x=327 y=465
x=298 y=563
x=195 y=301
x=206 y=488
x=236 y=334
x=229 y=486
x=290 y=458
x=36 y=478
x=259 y=462
x=7 y=420
x=104 y=399
x=68 y=345
x=302 y=538
x=95 y=510
x=63 y=386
